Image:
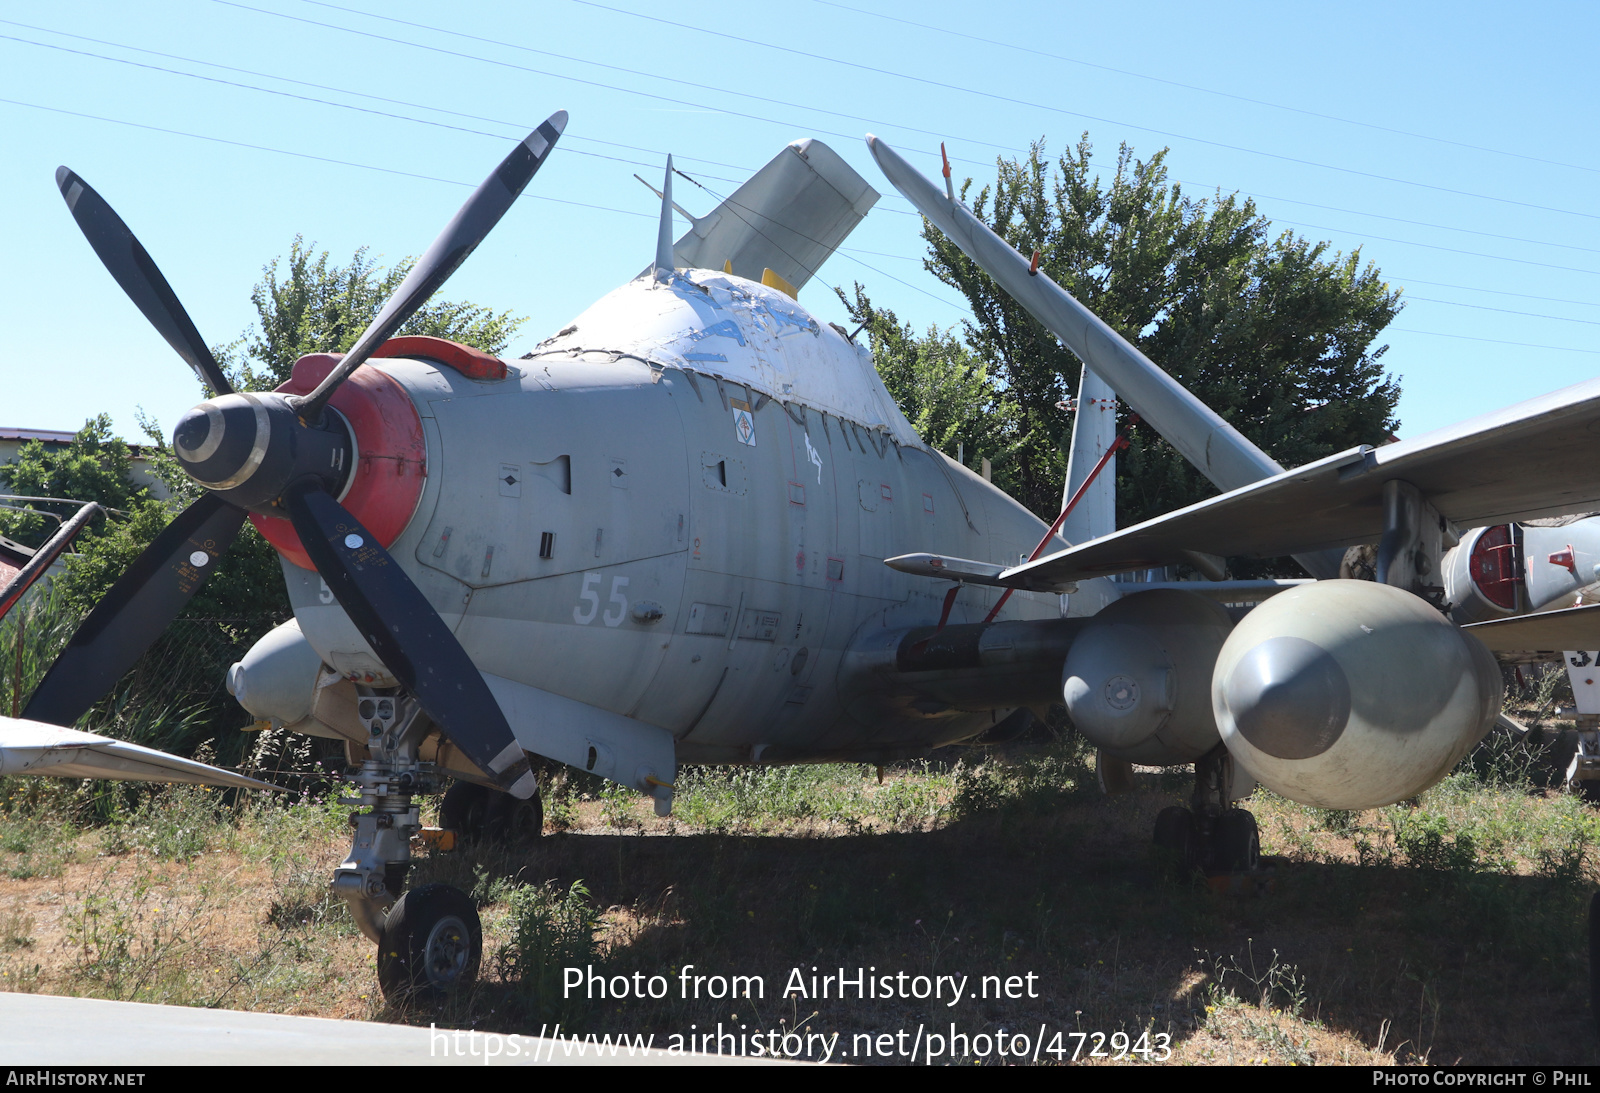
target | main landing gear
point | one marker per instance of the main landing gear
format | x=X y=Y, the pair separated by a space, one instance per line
x=478 y=814
x=1212 y=835
x=429 y=940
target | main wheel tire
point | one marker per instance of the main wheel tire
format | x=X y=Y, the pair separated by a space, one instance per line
x=1115 y=775
x=1236 y=842
x=465 y=810
x=510 y=820
x=1176 y=839
x=432 y=945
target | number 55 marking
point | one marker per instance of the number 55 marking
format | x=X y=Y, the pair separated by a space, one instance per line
x=588 y=595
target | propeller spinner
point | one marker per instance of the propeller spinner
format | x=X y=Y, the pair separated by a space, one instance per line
x=282 y=454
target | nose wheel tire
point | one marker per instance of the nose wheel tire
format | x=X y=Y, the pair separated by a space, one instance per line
x=432 y=945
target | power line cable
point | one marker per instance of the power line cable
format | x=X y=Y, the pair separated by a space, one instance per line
x=305 y=155
x=520 y=126
x=445 y=30
x=309 y=98
x=636 y=72
x=1491 y=341
x=576 y=79
x=1448 y=250
x=1495 y=291
x=1208 y=90
x=849 y=253
x=1397 y=219
x=405 y=174
x=1072 y=113
x=1503 y=310
x=648 y=216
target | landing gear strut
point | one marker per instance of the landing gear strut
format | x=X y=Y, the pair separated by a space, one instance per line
x=1583 y=773
x=430 y=940
x=1212 y=835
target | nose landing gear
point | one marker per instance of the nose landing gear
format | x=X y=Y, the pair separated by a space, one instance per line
x=430 y=941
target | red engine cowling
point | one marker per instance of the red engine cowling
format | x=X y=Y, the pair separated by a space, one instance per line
x=390 y=461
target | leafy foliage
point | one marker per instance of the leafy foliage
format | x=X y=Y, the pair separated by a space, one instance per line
x=942 y=386
x=317 y=308
x=550 y=930
x=95 y=466
x=1271 y=332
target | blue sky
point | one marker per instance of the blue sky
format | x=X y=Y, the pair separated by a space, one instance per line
x=1453 y=145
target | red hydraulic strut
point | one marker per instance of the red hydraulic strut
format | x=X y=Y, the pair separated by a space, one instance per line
x=1116 y=446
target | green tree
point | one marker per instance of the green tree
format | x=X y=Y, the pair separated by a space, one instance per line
x=940 y=384
x=95 y=466
x=1269 y=331
x=321 y=308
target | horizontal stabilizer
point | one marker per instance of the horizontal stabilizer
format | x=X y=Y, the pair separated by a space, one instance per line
x=787 y=218
x=1525 y=461
x=1573 y=628
x=34 y=747
x=950 y=569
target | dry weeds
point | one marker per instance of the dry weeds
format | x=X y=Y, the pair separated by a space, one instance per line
x=1444 y=932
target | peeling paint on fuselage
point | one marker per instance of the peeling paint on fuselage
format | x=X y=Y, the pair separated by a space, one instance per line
x=765 y=558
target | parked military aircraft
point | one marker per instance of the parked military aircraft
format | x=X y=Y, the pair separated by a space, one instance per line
x=660 y=537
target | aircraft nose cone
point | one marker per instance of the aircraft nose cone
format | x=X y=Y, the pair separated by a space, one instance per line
x=220 y=442
x=1289 y=697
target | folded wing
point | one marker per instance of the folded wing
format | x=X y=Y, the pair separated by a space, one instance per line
x=33 y=747
x=1519 y=463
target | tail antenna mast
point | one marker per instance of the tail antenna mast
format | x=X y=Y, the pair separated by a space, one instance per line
x=663 y=269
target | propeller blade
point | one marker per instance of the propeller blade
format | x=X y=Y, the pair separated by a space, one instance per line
x=459 y=239
x=408 y=635
x=127 y=261
x=133 y=614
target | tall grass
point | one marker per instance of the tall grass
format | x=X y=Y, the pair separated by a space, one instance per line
x=32 y=635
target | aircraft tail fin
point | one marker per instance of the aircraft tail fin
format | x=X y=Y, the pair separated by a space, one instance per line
x=785 y=220
x=1094 y=430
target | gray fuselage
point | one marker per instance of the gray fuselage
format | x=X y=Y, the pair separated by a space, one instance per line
x=715 y=479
